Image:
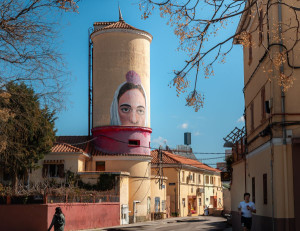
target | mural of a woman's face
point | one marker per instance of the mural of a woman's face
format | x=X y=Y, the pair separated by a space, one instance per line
x=132 y=108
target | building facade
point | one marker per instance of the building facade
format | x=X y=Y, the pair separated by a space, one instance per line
x=191 y=185
x=266 y=160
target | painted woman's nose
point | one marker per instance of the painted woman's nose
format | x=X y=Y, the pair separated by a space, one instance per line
x=133 y=118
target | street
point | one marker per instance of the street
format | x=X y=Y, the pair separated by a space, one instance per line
x=183 y=223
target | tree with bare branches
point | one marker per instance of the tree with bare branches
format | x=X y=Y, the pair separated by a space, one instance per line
x=28 y=51
x=201 y=27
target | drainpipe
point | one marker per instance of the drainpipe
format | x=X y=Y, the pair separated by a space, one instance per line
x=283 y=121
x=272 y=179
x=179 y=198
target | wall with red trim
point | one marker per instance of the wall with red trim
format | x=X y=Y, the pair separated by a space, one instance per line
x=78 y=216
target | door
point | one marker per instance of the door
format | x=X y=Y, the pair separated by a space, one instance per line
x=124 y=213
x=157 y=204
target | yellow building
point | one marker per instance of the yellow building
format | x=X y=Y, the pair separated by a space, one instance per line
x=191 y=185
x=267 y=168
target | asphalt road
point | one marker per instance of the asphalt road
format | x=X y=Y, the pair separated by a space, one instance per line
x=185 y=223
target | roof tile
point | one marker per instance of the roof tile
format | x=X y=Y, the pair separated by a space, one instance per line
x=75 y=144
x=170 y=158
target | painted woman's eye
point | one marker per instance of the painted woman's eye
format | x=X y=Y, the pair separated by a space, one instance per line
x=141 y=111
x=125 y=109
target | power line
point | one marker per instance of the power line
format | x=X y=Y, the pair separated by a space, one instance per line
x=152 y=148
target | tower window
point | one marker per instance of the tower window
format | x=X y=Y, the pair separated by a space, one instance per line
x=100 y=166
x=133 y=142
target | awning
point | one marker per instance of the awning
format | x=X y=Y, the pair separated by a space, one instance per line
x=54 y=161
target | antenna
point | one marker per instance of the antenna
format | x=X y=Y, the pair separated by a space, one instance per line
x=120 y=15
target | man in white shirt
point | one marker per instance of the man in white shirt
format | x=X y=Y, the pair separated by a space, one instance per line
x=246 y=208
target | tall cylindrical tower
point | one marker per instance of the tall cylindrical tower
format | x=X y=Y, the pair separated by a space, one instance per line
x=121 y=105
x=121 y=86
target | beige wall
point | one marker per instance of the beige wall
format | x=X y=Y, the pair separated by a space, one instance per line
x=72 y=162
x=226 y=199
x=238 y=185
x=139 y=187
x=257 y=164
x=114 y=54
x=156 y=191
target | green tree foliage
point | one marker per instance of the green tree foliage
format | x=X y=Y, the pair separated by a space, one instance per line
x=27 y=131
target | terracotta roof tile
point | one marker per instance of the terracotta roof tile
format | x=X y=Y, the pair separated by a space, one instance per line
x=75 y=141
x=119 y=25
x=103 y=23
x=75 y=144
x=116 y=25
x=170 y=158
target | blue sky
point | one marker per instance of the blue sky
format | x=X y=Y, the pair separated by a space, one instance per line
x=170 y=118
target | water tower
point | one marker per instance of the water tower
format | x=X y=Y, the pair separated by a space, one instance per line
x=121 y=104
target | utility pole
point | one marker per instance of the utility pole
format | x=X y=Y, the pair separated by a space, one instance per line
x=160 y=167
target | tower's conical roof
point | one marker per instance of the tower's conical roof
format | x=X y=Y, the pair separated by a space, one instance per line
x=121 y=24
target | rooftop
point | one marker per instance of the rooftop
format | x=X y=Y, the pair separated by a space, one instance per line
x=121 y=24
x=81 y=144
x=170 y=158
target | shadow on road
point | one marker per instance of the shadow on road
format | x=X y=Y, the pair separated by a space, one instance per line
x=217 y=226
x=126 y=228
x=188 y=221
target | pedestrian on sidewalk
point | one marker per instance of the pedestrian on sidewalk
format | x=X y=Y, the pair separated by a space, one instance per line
x=246 y=208
x=58 y=220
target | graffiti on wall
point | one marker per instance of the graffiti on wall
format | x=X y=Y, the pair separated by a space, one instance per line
x=129 y=105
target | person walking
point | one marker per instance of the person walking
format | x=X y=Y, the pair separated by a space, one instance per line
x=58 y=220
x=246 y=208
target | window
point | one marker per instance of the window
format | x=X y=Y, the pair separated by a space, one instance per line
x=211 y=180
x=194 y=177
x=183 y=202
x=199 y=179
x=265 y=188
x=206 y=179
x=200 y=202
x=163 y=205
x=252 y=116
x=253 y=189
x=263 y=99
x=250 y=50
x=100 y=166
x=182 y=176
x=133 y=143
x=53 y=170
x=157 y=204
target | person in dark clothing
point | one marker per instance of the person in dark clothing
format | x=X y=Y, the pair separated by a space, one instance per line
x=58 y=220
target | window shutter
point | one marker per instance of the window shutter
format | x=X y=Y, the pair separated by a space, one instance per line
x=261 y=27
x=250 y=50
x=263 y=99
